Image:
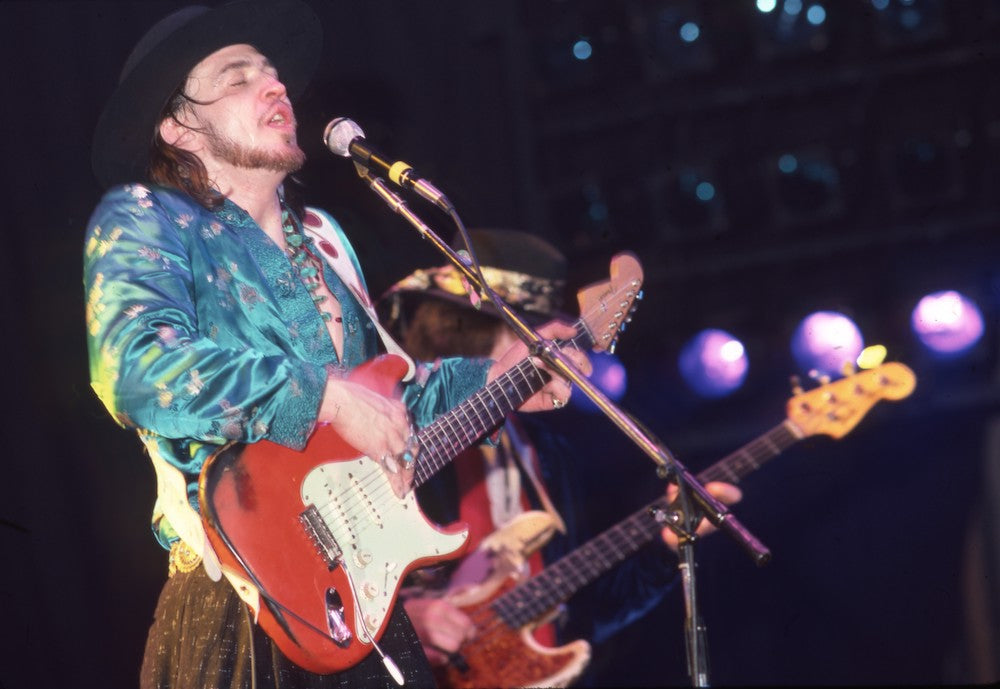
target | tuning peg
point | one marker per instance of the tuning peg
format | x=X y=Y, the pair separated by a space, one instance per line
x=848 y=369
x=796 y=385
x=820 y=378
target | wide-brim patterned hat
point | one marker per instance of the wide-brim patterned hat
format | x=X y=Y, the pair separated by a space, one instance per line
x=526 y=272
x=287 y=32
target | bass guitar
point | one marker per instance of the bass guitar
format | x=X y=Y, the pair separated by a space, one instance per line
x=505 y=654
x=322 y=535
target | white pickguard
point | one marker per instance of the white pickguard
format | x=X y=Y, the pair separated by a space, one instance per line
x=380 y=534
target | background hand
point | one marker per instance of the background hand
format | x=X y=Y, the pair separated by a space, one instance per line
x=556 y=392
x=441 y=627
x=726 y=493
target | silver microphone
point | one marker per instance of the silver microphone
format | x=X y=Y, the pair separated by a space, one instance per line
x=340 y=133
x=345 y=138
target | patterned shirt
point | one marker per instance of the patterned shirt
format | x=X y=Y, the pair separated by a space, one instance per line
x=200 y=332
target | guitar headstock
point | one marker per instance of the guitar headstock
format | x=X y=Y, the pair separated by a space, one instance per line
x=835 y=408
x=605 y=307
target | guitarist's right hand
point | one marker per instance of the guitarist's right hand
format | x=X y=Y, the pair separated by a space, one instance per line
x=375 y=425
x=441 y=627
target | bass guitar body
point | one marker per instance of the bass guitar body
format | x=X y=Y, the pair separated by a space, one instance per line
x=322 y=535
x=513 y=658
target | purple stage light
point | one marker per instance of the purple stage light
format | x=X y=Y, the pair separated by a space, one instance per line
x=947 y=322
x=825 y=341
x=713 y=363
x=608 y=376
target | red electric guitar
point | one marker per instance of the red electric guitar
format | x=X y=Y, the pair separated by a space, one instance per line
x=322 y=535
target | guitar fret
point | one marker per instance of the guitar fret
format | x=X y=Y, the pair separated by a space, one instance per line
x=520 y=605
x=512 y=388
x=526 y=602
x=483 y=419
x=444 y=438
x=351 y=502
x=529 y=601
x=464 y=409
x=583 y=334
x=750 y=457
x=767 y=439
x=456 y=431
x=734 y=476
x=491 y=406
x=481 y=405
x=437 y=456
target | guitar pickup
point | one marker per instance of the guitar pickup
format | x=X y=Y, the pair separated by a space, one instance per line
x=318 y=532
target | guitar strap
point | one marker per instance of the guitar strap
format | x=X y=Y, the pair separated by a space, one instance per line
x=493 y=482
x=490 y=484
x=329 y=238
x=515 y=440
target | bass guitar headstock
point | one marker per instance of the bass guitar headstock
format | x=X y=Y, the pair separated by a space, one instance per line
x=836 y=407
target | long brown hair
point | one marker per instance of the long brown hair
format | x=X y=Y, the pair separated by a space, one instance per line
x=440 y=328
x=174 y=167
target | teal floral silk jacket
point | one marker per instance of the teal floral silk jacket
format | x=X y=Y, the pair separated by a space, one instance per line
x=200 y=332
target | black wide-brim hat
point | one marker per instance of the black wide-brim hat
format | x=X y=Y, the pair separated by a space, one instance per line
x=287 y=32
x=527 y=273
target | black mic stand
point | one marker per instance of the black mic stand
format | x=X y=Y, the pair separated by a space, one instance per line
x=668 y=466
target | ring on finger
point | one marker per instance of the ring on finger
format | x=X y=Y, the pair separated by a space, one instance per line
x=389 y=462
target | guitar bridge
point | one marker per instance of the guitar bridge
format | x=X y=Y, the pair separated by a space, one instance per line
x=318 y=532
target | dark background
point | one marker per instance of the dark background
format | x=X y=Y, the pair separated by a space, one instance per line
x=885 y=542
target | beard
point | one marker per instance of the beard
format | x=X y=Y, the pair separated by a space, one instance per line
x=253 y=158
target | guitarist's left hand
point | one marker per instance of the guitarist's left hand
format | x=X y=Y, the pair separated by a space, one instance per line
x=557 y=391
x=726 y=493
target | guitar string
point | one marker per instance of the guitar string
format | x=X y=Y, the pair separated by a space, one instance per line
x=383 y=487
x=490 y=617
x=383 y=491
x=782 y=433
x=374 y=476
x=531 y=599
x=381 y=495
x=373 y=493
x=584 y=564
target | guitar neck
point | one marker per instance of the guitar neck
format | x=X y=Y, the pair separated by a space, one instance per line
x=732 y=468
x=456 y=430
x=560 y=580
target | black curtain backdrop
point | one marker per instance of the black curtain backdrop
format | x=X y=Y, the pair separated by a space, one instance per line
x=884 y=542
